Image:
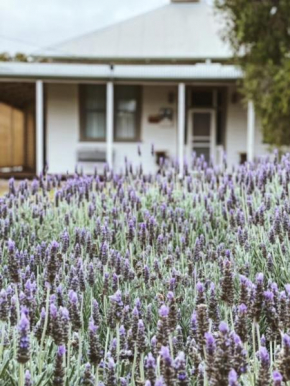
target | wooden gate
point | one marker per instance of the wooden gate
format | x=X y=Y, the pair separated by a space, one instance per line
x=17 y=140
x=11 y=137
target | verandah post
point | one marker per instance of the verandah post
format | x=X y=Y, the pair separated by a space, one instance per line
x=181 y=125
x=250 y=132
x=110 y=123
x=39 y=128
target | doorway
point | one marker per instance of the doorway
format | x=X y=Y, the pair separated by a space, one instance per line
x=202 y=132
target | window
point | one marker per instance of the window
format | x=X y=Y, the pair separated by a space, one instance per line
x=127 y=113
x=93 y=112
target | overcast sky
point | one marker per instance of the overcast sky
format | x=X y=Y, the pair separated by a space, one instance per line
x=28 y=25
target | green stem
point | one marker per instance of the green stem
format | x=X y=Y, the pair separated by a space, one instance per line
x=258 y=335
x=118 y=348
x=21 y=375
x=80 y=353
x=254 y=350
x=17 y=302
x=97 y=375
x=107 y=342
x=271 y=355
x=2 y=340
x=44 y=330
x=134 y=365
x=141 y=366
x=171 y=345
x=232 y=319
x=68 y=350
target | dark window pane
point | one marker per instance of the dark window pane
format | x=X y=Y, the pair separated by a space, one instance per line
x=95 y=125
x=94 y=110
x=125 y=125
x=95 y=97
x=220 y=99
x=202 y=99
x=127 y=100
x=201 y=124
x=219 y=128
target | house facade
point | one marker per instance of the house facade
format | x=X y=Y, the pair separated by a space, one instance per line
x=164 y=79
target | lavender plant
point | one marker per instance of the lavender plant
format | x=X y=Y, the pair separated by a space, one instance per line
x=135 y=279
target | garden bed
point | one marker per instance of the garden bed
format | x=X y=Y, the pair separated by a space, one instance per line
x=158 y=280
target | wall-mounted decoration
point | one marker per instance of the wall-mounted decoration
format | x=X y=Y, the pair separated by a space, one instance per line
x=164 y=118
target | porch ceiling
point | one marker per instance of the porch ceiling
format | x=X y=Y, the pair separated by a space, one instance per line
x=17 y=94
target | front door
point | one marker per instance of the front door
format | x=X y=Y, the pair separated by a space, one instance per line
x=202 y=133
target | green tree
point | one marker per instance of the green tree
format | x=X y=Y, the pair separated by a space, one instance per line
x=20 y=57
x=4 y=57
x=259 y=33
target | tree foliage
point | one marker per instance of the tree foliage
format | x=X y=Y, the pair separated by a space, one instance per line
x=18 y=57
x=259 y=33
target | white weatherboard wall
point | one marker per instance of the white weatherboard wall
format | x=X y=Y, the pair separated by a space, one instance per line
x=62 y=123
x=236 y=132
x=62 y=127
x=162 y=136
x=236 y=129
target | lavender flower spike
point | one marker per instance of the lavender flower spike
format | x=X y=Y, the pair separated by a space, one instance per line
x=233 y=378
x=163 y=311
x=27 y=379
x=277 y=378
x=23 y=340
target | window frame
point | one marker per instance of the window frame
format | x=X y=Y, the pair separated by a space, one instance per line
x=138 y=114
x=82 y=113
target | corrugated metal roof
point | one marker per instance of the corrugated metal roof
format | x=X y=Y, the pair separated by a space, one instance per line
x=197 y=71
x=53 y=70
x=131 y=72
x=177 y=31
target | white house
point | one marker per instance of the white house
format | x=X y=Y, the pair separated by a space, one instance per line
x=164 y=78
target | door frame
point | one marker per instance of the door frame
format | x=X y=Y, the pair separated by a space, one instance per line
x=212 y=112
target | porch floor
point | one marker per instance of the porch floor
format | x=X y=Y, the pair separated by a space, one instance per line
x=17 y=175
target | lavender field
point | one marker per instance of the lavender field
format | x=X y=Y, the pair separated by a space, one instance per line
x=149 y=280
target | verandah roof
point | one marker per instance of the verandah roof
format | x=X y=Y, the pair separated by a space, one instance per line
x=199 y=72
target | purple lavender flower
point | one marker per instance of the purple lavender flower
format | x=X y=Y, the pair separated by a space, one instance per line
x=223 y=327
x=180 y=368
x=163 y=311
x=27 y=379
x=264 y=370
x=286 y=341
x=23 y=354
x=59 y=374
x=150 y=368
x=160 y=382
x=277 y=378
x=111 y=377
x=210 y=343
x=167 y=365
x=233 y=378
